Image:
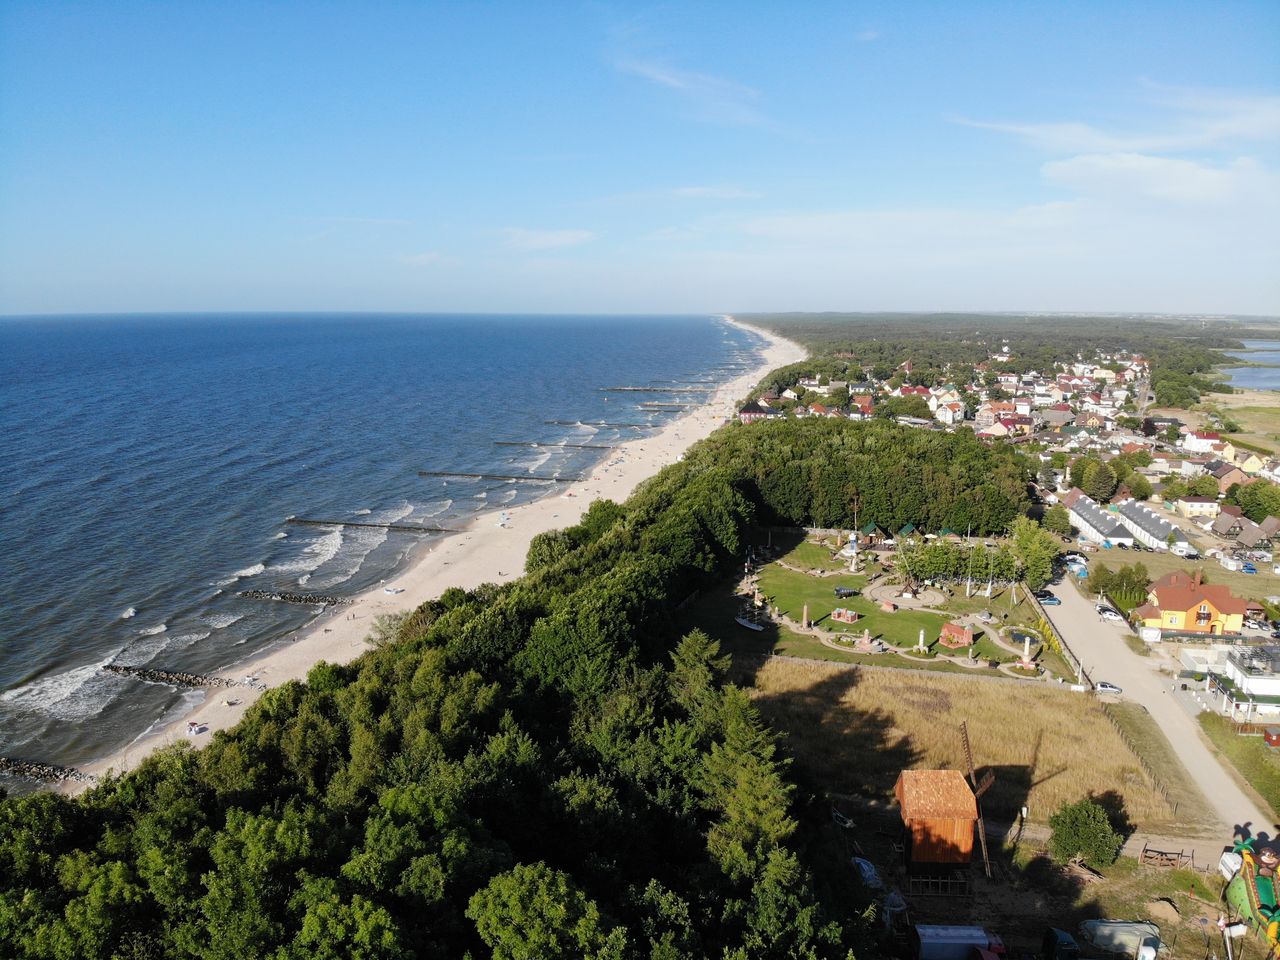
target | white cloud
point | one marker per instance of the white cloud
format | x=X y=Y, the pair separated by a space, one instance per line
x=523 y=239
x=1121 y=175
x=712 y=98
x=1198 y=120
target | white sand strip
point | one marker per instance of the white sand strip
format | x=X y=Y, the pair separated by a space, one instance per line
x=485 y=552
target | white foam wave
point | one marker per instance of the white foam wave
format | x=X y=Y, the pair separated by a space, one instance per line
x=313 y=555
x=187 y=639
x=220 y=620
x=363 y=513
x=69 y=695
x=152 y=631
x=439 y=507
x=280 y=536
x=131 y=612
x=360 y=542
x=251 y=571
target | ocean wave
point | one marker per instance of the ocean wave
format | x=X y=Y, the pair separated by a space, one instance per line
x=313 y=555
x=252 y=571
x=440 y=506
x=363 y=513
x=131 y=612
x=152 y=631
x=280 y=536
x=70 y=695
x=220 y=620
x=187 y=639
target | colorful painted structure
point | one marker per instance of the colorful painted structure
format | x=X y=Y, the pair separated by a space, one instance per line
x=1252 y=891
x=954 y=636
x=844 y=615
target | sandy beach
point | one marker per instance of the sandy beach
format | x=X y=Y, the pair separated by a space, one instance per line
x=490 y=549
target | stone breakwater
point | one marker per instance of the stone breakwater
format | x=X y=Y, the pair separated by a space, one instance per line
x=292 y=597
x=178 y=679
x=42 y=772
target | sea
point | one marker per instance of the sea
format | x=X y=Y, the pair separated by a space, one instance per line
x=151 y=465
x=1256 y=378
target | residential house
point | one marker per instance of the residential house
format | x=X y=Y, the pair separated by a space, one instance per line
x=1059 y=415
x=1199 y=441
x=1250 y=462
x=991 y=412
x=949 y=413
x=1197 y=508
x=752 y=411
x=1181 y=603
x=1229 y=523
x=1228 y=475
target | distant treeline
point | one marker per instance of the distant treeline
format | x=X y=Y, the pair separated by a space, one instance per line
x=944 y=347
x=543 y=768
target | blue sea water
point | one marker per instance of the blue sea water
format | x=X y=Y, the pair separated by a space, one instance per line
x=1257 y=378
x=150 y=463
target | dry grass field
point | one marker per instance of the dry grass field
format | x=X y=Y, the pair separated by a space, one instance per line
x=852 y=730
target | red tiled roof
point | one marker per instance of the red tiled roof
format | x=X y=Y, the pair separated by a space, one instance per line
x=1179 y=590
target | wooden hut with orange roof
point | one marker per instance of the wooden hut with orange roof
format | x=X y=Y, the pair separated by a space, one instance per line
x=938 y=816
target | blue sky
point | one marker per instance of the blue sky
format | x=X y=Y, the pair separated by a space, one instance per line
x=543 y=157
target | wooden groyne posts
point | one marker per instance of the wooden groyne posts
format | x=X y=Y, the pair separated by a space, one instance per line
x=652 y=390
x=658 y=405
x=39 y=772
x=498 y=476
x=306 y=598
x=595 y=423
x=570 y=446
x=398 y=527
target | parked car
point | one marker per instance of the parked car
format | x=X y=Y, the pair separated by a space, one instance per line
x=1049 y=601
x=1123 y=546
x=1108 y=614
x=1255 y=625
x=1075 y=558
x=1248 y=568
x=843 y=593
x=1102 y=686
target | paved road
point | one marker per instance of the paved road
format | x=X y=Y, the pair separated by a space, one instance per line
x=1105 y=656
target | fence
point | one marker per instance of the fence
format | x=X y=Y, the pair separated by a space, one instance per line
x=1052 y=634
x=1142 y=761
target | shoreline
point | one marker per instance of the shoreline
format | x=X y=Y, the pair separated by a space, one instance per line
x=487 y=549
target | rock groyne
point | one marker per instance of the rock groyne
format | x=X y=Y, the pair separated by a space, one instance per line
x=39 y=772
x=285 y=597
x=175 y=678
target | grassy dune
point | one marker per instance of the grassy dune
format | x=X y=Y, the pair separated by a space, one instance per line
x=852 y=731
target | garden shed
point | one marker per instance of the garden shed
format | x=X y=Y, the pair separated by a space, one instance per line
x=938 y=816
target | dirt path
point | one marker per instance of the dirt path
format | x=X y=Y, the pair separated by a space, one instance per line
x=1105 y=656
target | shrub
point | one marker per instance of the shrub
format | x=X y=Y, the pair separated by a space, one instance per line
x=1082 y=829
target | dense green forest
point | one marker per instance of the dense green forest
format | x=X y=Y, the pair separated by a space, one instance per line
x=542 y=769
x=946 y=347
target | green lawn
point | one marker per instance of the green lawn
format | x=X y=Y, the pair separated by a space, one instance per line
x=815 y=556
x=1021 y=613
x=1253 y=759
x=790 y=591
